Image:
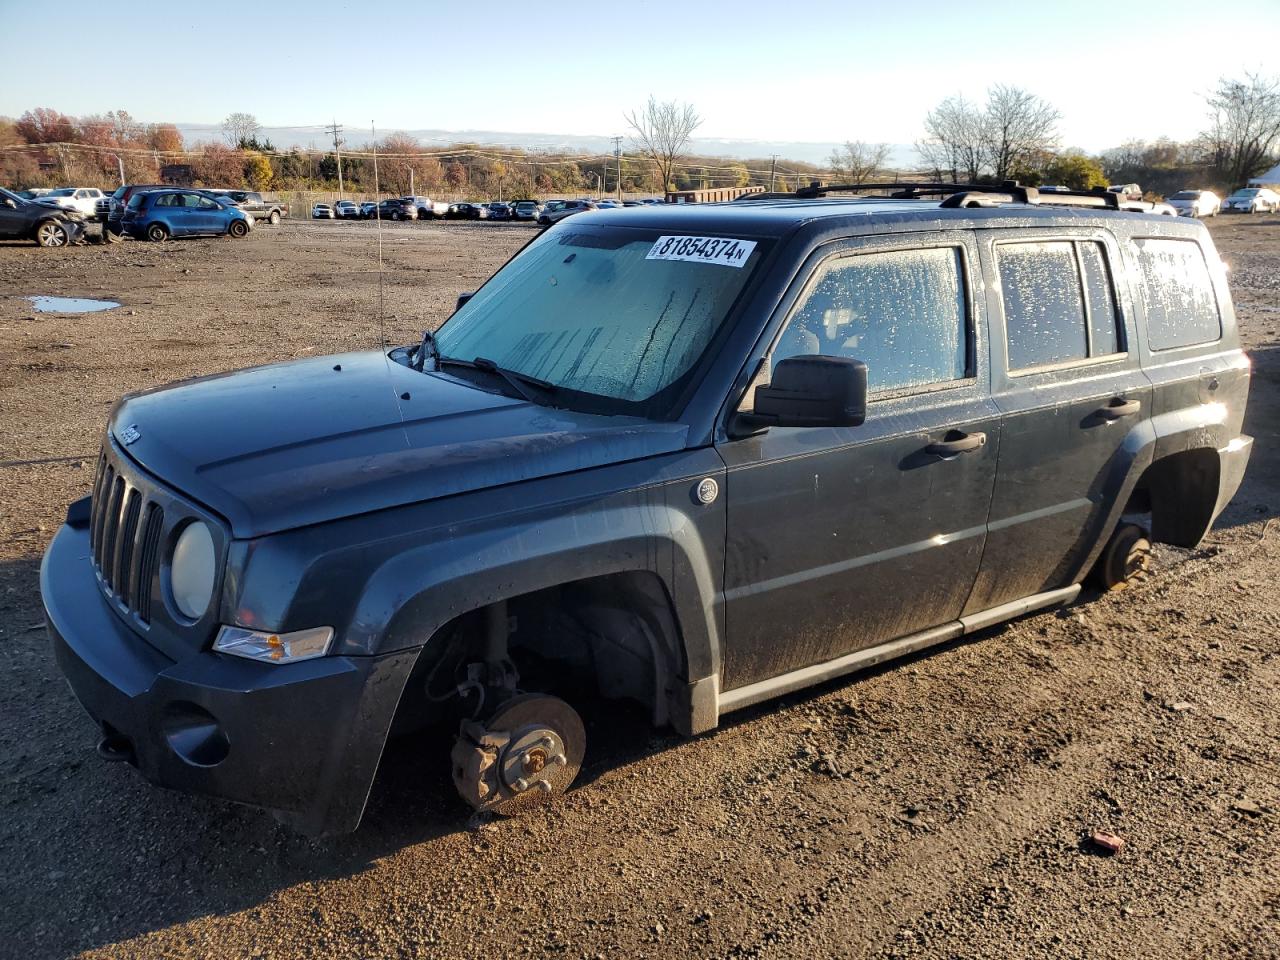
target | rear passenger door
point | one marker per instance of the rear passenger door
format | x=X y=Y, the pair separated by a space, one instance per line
x=843 y=538
x=1067 y=379
x=167 y=207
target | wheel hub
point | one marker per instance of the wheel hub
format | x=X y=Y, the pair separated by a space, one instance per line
x=528 y=751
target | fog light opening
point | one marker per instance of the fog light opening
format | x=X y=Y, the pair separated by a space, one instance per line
x=194 y=734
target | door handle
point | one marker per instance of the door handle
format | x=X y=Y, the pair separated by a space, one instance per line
x=956 y=442
x=1118 y=407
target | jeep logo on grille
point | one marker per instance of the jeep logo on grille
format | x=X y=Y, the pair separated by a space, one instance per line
x=129 y=434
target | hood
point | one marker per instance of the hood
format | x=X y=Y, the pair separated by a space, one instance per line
x=292 y=444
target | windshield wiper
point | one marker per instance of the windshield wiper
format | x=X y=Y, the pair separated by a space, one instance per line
x=517 y=380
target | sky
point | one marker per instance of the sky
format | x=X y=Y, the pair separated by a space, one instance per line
x=820 y=73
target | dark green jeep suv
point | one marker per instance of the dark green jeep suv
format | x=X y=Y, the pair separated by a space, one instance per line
x=692 y=456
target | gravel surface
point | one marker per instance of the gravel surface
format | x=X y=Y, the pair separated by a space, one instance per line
x=942 y=807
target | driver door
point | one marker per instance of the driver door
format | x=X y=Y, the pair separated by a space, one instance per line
x=843 y=538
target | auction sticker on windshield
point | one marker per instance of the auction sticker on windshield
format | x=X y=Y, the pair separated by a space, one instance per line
x=725 y=251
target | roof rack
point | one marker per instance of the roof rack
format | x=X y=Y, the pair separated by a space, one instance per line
x=966 y=194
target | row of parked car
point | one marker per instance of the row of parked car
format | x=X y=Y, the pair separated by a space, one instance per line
x=1206 y=203
x=423 y=208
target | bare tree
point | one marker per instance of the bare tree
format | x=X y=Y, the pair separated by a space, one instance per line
x=1245 y=127
x=1019 y=128
x=662 y=132
x=239 y=128
x=955 y=143
x=857 y=162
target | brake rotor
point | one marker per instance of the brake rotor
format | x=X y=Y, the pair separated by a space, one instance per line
x=528 y=752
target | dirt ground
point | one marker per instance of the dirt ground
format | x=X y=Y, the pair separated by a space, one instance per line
x=938 y=808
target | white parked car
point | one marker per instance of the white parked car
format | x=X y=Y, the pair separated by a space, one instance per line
x=1253 y=200
x=1196 y=203
x=83 y=200
x=322 y=211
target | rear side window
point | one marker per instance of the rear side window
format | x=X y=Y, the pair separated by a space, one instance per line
x=901 y=312
x=1182 y=310
x=1059 y=302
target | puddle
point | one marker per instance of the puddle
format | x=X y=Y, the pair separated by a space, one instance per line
x=70 y=304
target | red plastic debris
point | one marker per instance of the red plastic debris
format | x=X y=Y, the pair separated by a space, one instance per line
x=1108 y=841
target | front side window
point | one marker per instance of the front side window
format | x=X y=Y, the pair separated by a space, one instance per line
x=900 y=312
x=206 y=204
x=620 y=314
x=1182 y=309
x=1059 y=302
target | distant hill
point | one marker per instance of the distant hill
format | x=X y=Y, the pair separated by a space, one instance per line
x=315 y=137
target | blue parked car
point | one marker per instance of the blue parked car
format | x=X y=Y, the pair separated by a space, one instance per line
x=161 y=214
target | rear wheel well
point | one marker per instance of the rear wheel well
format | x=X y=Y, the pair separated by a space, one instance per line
x=1180 y=492
x=613 y=637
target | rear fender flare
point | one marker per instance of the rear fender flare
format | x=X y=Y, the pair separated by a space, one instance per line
x=1202 y=427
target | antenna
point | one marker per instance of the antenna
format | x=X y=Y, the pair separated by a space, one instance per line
x=377 y=217
x=382 y=330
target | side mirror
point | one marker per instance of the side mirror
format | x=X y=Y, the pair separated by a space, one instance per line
x=10 y=204
x=812 y=391
x=463 y=298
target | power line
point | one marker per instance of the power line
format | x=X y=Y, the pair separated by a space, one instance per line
x=335 y=129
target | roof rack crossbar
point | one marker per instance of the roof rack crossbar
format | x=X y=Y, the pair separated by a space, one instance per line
x=967 y=194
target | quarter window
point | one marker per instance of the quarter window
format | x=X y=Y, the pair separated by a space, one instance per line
x=1059 y=302
x=901 y=312
x=1182 y=310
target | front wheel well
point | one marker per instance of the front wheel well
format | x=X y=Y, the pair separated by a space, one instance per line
x=1180 y=492
x=614 y=637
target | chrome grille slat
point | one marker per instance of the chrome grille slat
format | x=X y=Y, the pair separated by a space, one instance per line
x=104 y=493
x=128 y=537
x=95 y=502
x=110 y=528
x=149 y=550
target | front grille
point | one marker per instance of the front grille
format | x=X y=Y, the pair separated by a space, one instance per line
x=124 y=534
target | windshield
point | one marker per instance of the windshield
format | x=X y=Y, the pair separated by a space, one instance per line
x=65 y=192
x=617 y=313
x=1185 y=195
x=1244 y=194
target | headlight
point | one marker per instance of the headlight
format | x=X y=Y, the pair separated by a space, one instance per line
x=192 y=570
x=274 y=647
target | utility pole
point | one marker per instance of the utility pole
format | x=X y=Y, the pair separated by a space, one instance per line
x=335 y=129
x=411 y=193
x=773 y=166
x=617 y=155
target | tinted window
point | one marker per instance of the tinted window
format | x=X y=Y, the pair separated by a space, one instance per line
x=1043 y=304
x=164 y=200
x=1181 y=307
x=902 y=313
x=1100 y=299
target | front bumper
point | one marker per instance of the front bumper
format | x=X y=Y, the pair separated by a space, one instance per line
x=302 y=740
